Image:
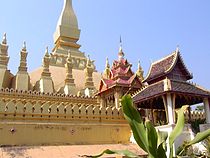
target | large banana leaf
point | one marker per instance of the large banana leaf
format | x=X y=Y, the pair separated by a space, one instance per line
x=162 y=137
x=161 y=153
x=152 y=139
x=118 y=152
x=178 y=128
x=134 y=119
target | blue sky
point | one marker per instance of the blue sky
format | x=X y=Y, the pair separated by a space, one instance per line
x=150 y=30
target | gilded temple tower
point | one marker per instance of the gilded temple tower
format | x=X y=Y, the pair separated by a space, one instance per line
x=65 y=38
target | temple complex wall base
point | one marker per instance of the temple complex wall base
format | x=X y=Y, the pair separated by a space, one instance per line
x=56 y=122
x=27 y=133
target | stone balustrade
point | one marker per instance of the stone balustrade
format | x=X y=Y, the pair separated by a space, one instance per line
x=195 y=115
x=57 y=111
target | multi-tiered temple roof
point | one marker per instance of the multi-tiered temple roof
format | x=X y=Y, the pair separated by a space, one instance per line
x=120 y=75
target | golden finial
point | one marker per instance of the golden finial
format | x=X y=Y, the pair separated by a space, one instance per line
x=139 y=64
x=4 y=41
x=24 y=46
x=120 y=49
x=121 y=53
x=107 y=63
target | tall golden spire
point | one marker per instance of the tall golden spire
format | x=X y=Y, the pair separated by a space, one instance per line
x=67 y=32
x=68 y=17
x=65 y=38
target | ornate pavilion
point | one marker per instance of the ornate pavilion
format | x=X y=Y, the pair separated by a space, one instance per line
x=117 y=81
x=168 y=89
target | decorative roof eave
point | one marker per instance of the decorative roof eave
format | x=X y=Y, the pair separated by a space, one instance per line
x=102 y=82
x=146 y=88
x=201 y=92
x=177 y=56
x=149 y=98
x=153 y=63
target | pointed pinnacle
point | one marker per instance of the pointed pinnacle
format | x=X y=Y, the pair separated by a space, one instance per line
x=46 y=51
x=4 y=41
x=88 y=57
x=120 y=49
x=24 y=46
x=139 y=64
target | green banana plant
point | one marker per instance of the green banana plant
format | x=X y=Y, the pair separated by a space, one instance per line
x=147 y=137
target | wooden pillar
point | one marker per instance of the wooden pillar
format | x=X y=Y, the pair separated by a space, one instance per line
x=152 y=112
x=207 y=109
x=170 y=109
x=117 y=96
x=174 y=106
x=165 y=107
x=147 y=114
